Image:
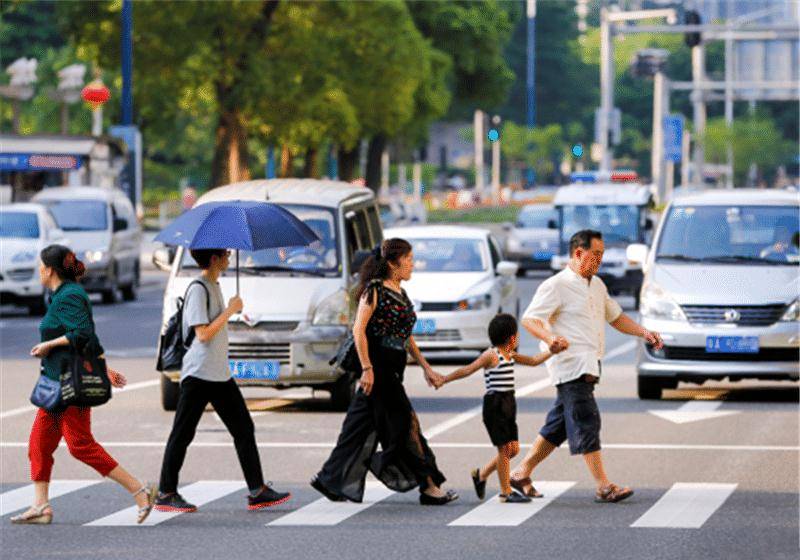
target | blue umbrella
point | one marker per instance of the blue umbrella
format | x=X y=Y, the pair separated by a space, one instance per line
x=237 y=224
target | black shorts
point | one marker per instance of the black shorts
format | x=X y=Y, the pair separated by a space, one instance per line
x=500 y=417
x=574 y=417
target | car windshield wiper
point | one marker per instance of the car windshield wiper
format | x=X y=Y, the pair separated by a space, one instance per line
x=742 y=258
x=289 y=269
x=682 y=258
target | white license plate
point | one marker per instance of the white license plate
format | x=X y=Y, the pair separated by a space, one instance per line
x=732 y=344
x=425 y=326
x=255 y=369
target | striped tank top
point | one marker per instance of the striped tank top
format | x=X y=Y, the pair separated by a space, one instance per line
x=500 y=378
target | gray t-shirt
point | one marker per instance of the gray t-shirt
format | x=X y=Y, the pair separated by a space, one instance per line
x=209 y=360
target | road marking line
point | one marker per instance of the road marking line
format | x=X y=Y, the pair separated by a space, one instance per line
x=693 y=411
x=21 y=498
x=494 y=513
x=327 y=513
x=441 y=445
x=199 y=493
x=132 y=387
x=687 y=505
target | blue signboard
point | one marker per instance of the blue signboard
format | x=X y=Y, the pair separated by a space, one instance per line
x=673 y=137
x=38 y=162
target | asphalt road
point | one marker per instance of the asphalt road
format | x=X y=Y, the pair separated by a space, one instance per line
x=715 y=471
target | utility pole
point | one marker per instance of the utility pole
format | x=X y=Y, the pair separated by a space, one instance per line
x=606 y=87
x=660 y=110
x=478 y=126
x=127 y=62
x=699 y=110
x=530 y=80
x=496 y=162
x=729 y=66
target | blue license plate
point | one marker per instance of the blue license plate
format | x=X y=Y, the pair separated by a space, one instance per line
x=543 y=255
x=732 y=344
x=255 y=369
x=425 y=326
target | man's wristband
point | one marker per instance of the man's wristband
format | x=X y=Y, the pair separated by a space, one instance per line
x=365 y=368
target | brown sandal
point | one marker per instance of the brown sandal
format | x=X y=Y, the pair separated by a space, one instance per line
x=519 y=484
x=612 y=494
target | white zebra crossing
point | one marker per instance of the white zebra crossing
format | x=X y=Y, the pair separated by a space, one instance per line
x=323 y=512
x=687 y=505
x=494 y=513
x=199 y=493
x=22 y=498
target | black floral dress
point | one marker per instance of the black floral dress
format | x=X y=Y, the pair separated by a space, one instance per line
x=385 y=416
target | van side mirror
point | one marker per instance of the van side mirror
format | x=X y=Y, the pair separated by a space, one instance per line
x=637 y=253
x=120 y=224
x=552 y=224
x=648 y=224
x=507 y=268
x=163 y=257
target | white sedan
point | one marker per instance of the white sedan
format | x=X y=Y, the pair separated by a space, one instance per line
x=25 y=229
x=460 y=282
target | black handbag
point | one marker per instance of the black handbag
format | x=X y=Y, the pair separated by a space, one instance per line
x=346 y=358
x=46 y=394
x=84 y=380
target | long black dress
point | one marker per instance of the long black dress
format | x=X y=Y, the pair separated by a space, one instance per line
x=385 y=416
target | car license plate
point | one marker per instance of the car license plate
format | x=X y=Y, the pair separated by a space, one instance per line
x=425 y=326
x=542 y=255
x=732 y=344
x=255 y=369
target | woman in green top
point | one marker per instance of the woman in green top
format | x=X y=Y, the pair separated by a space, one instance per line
x=67 y=325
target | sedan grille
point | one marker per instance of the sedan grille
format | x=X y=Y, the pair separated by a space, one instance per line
x=700 y=354
x=281 y=326
x=437 y=306
x=260 y=351
x=444 y=335
x=20 y=274
x=743 y=315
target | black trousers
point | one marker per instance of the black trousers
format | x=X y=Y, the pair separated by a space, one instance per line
x=227 y=400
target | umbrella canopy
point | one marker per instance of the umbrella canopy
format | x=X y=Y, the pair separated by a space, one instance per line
x=237 y=224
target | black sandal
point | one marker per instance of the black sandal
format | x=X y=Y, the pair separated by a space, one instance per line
x=480 y=485
x=427 y=500
x=519 y=484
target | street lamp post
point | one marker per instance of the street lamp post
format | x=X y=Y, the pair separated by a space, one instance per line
x=496 y=161
x=530 y=80
x=70 y=82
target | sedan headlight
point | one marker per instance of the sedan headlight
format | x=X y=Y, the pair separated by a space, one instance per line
x=482 y=301
x=94 y=257
x=333 y=310
x=792 y=312
x=657 y=304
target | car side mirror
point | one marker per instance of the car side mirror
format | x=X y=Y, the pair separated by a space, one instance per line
x=637 y=253
x=552 y=224
x=163 y=257
x=120 y=224
x=507 y=226
x=56 y=234
x=648 y=224
x=507 y=268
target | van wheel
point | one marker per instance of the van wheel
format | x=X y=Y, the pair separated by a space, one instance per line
x=649 y=388
x=343 y=391
x=37 y=306
x=170 y=391
x=109 y=296
x=131 y=291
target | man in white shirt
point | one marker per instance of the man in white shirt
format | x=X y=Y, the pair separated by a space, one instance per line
x=568 y=314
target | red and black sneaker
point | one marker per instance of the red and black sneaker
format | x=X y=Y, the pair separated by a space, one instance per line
x=267 y=498
x=173 y=502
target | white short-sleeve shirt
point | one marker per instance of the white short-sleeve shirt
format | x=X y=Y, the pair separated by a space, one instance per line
x=577 y=309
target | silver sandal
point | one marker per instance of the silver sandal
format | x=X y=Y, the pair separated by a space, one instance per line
x=35 y=515
x=151 y=491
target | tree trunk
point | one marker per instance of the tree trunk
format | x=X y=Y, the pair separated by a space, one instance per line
x=231 y=155
x=311 y=166
x=286 y=162
x=347 y=163
x=377 y=145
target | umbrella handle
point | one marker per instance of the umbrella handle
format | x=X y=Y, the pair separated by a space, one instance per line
x=237 y=272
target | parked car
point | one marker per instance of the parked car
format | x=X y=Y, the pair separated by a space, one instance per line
x=103 y=231
x=25 y=229
x=721 y=285
x=460 y=282
x=531 y=242
x=298 y=304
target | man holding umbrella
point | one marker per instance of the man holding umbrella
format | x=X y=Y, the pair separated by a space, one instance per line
x=205 y=373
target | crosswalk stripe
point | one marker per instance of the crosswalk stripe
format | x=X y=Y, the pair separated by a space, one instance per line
x=494 y=513
x=21 y=498
x=325 y=512
x=687 y=505
x=199 y=493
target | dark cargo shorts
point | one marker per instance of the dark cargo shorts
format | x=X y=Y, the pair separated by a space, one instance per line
x=574 y=417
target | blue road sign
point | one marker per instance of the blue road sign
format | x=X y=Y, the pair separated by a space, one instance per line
x=673 y=137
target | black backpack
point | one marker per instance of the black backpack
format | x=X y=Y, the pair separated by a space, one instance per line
x=172 y=347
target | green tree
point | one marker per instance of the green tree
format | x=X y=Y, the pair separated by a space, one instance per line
x=541 y=147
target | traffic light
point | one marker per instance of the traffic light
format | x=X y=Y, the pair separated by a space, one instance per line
x=691 y=17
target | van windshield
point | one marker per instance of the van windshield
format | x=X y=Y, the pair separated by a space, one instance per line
x=536 y=217
x=619 y=224
x=731 y=235
x=79 y=215
x=321 y=258
x=24 y=225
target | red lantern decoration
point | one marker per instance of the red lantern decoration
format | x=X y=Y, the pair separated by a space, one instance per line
x=96 y=94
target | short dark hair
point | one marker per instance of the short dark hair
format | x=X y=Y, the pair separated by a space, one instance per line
x=583 y=239
x=203 y=256
x=501 y=328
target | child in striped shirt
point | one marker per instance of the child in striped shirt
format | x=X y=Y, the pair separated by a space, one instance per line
x=499 y=405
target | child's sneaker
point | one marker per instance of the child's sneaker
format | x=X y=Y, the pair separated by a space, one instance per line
x=514 y=498
x=480 y=485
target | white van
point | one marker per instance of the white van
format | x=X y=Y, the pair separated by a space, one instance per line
x=721 y=285
x=103 y=232
x=297 y=302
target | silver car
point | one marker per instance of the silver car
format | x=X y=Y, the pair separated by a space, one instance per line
x=721 y=285
x=533 y=240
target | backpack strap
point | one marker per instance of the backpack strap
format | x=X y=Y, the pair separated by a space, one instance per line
x=191 y=334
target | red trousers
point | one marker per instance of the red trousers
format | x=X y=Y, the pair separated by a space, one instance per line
x=74 y=424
